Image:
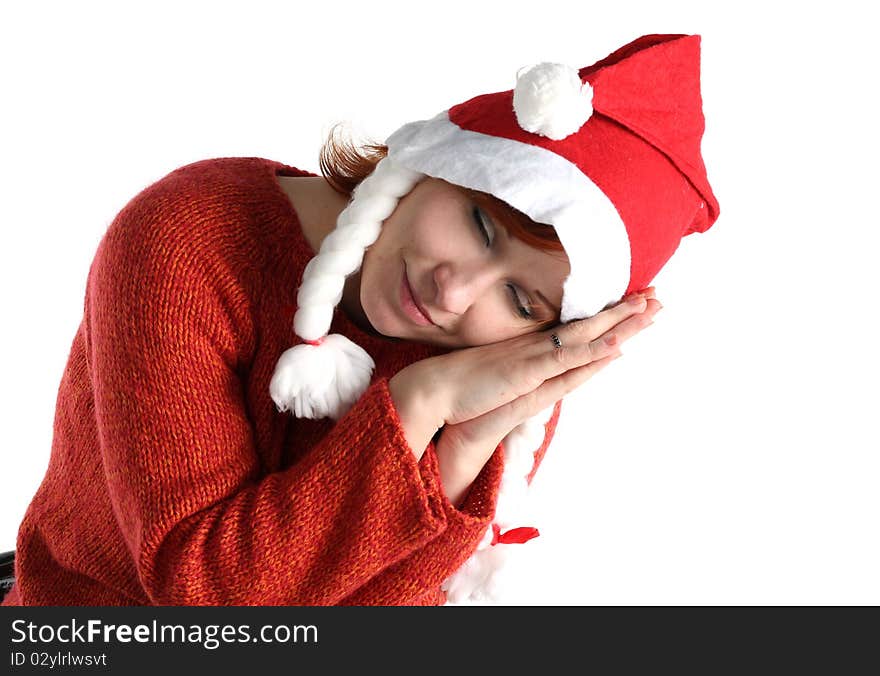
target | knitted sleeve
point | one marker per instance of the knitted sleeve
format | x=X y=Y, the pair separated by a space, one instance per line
x=168 y=331
x=422 y=572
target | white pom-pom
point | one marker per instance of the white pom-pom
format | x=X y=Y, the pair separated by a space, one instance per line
x=549 y=99
x=317 y=381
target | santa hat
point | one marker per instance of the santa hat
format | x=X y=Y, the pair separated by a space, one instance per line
x=608 y=155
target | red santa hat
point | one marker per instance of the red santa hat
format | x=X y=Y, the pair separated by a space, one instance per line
x=607 y=155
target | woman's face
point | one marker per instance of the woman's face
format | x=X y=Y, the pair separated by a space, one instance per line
x=469 y=283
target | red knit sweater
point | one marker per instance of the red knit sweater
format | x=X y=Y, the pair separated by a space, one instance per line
x=173 y=479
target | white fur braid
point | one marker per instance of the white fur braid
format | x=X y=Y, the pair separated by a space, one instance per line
x=326 y=375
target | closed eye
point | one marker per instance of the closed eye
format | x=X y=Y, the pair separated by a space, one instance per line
x=478 y=217
x=521 y=310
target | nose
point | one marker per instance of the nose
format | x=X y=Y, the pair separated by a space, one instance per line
x=459 y=286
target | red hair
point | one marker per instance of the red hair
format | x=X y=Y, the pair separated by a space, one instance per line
x=344 y=165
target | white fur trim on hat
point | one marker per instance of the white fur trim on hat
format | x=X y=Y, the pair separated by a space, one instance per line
x=543 y=185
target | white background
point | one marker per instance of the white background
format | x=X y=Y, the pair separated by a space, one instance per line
x=730 y=457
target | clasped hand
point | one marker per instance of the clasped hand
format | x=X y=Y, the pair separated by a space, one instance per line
x=479 y=394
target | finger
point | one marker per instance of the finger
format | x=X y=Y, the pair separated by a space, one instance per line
x=552 y=360
x=632 y=325
x=559 y=359
x=561 y=385
x=591 y=328
x=554 y=389
x=547 y=360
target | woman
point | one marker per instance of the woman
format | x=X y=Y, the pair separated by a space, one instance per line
x=177 y=475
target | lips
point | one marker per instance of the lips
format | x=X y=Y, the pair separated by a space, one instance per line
x=415 y=299
x=410 y=304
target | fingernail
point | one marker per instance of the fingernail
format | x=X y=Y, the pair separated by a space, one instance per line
x=635 y=299
x=610 y=340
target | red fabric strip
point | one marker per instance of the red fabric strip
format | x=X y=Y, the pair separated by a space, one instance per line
x=514 y=536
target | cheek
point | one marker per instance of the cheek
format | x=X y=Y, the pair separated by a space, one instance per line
x=431 y=218
x=489 y=326
x=370 y=280
x=441 y=234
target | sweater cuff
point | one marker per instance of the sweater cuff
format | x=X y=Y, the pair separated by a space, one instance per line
x=431 y=487
x=478 y=507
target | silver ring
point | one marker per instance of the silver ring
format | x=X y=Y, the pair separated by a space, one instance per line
x=557 y=344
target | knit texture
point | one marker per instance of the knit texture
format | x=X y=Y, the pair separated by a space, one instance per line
x=173 y=479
